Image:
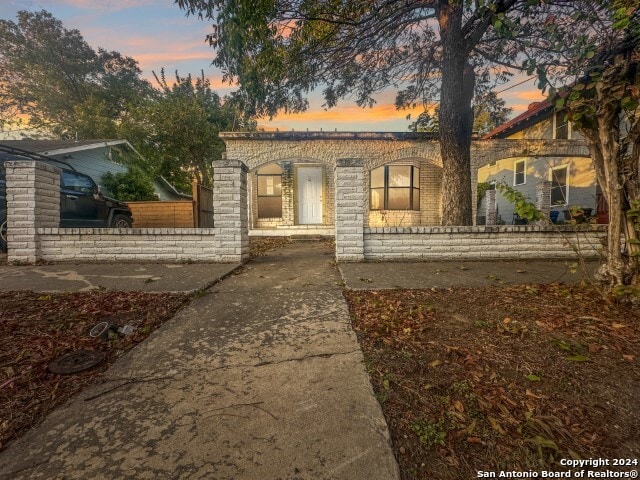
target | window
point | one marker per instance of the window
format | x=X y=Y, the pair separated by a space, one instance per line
x=395 y=187
x=270 y=191
x=561 y=127
x=519 y=175
x=77 y=182
x=559 y=186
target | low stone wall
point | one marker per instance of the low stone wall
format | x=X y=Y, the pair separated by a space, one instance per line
x=482 y=242
x=128 y=245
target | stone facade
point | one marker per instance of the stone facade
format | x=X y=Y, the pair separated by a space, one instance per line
x=33 y=217
x=350 y=209
x=230 y=210
x=33 y=200
x=482 y=243
x=422 y=150
x=490 y=207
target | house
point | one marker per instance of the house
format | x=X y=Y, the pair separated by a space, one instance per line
x=94 y=157
x=573 y=179
x=292 y=177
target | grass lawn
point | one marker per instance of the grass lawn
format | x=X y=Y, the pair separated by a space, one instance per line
x=493 y=379
x=37 y=328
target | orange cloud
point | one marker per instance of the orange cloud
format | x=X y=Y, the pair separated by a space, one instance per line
x=533 y=95
x=351 y=114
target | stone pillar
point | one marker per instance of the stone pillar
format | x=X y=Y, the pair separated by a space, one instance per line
x=349 y=205
x=474 y=191
x=543 y=197
x=230 y=213
x=33 y=201
x=490 y=207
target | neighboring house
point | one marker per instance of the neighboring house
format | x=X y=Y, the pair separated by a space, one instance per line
x=94 y=158
x=573 y=178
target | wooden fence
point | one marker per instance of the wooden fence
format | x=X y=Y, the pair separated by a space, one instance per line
x=202 y=205
x=178 y=214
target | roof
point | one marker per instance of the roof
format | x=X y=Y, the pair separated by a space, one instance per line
x=302 y=135
x=57 y=147
x=534 y=113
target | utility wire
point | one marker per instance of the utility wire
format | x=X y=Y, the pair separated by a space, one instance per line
x=515 y=85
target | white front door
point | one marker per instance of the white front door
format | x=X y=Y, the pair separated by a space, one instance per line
x=309 y=195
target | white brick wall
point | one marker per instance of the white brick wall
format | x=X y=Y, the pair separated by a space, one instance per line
x=128 y=245
x=476 y=243
x=350 y=207
x=230 y=211
x=33 y=200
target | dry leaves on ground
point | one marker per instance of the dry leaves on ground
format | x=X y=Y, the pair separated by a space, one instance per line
x=501 y=379
x=37 y=328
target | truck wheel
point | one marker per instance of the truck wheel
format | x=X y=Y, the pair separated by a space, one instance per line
x=121 y=221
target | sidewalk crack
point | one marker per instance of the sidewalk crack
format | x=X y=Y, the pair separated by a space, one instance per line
x=301 y=359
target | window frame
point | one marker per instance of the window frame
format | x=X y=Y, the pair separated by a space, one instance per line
x=259 y=195
x=414 y=186
x=566 y=186
x=555 y=127
x=515 y=172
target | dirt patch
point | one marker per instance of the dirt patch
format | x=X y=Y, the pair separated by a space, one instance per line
x=259 y=246
x=496 y=379
x=36 y=329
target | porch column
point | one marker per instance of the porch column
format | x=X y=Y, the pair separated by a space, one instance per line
x=543 y=197
x=490 y=207
x=349 y=205
x=33 y=201
x=230 y=215
x=474 y=191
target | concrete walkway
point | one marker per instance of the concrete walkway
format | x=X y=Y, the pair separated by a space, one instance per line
x=136 y=277
x=260 y=379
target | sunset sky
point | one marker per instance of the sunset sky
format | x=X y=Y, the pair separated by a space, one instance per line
x=158 y=34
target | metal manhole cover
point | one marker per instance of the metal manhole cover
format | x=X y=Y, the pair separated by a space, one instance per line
x=74 y=362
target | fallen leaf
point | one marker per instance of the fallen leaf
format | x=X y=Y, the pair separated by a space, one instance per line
x=457 y=404
x=495 y=425
x=506 y=320
x=436 y=363
x=628 y=358
x=533 y=378
x=474 y=440
x=618 y=325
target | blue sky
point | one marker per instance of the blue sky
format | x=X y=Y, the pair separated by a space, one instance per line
x=158 y=34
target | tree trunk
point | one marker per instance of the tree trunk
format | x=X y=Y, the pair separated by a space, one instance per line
x=456 y=118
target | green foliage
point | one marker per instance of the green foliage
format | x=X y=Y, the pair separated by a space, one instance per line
x=430 y=433
x=522 y=207
x=51 y=78
x=177 y=130
x=482 y=190
x=129 y=187
x=489 y=112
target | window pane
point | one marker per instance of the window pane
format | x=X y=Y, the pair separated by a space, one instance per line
x=269 y=207
x=416 y=199
x=269 y=185
x=377 y=178
x=399 y=175
x=559 y=186
x=562 y=127
x=519 y=173
x=399 y=198
x=77 y=183
x=377 y=199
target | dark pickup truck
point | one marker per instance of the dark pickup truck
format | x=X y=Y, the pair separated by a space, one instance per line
x=81 y=202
